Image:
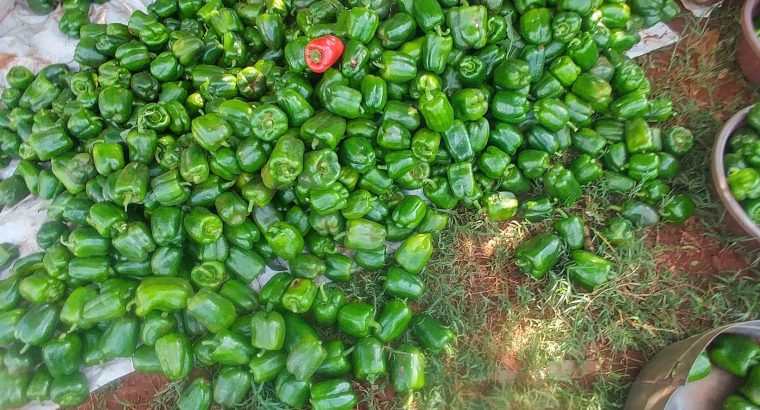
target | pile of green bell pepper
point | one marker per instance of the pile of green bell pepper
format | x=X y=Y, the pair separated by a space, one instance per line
x=742 y=162
x=738 y=355
x=203 y=142
x=75 y=19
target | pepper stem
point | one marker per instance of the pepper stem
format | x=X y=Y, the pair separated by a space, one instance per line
x=127 y=200
x=131 y=303
x=431 y=183
x=315 y=55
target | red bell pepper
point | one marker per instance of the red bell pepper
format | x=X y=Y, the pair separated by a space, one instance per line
x=323 y=52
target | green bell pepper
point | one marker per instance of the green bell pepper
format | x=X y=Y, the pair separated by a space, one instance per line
x=734 y=353
x=539 y=255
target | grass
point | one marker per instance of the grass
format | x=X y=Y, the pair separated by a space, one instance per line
x=527 y=344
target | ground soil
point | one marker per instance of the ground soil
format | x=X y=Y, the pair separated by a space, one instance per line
x=689 y=248
x=134 y=391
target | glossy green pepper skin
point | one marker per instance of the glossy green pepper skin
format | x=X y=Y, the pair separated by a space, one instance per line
x=231 y=386
x=738 y=402
x=369 y=361
x=9 y=319
x=196 y=395
x=469 y=26
x=175 y=355
x=299 y=296
x=407 y=369
x=654 y=191
x=37 y=325
x=154 y=326
x=588 y=269
x=69 y=391
x=267 y=365
x=335 y=394
x=393 y=321
x=437 y=110
x=305 y=358
x=561 y=184
x=285 y=239
x=40 y=288
x=213 y=311
x=750 y=387
x=62 y=357
x=292 y=391
x=678 y=141
x=734 y=353
x=501 y=206
x=338 y=267
x=329 y=302
x=586 y=169
x=120 y=338
x=362 y=24
x=572 y=231
x=677 y=209
x=203 y=226
x=356 y=319
x=246 y=264
x=618 y=231
x=539 y=255
x=414 y=253
x=431 y=334
x=39 y=386
x=268 y=331
x=134 y=242
x=336 y=363
x=701 y=367
x=639 y=213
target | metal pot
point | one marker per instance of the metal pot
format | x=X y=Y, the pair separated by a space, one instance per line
x=662 y=385
x=737 y=221
x=748 y=49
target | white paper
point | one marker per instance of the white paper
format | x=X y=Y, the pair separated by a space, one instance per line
x=653 y=38
x=700 y=10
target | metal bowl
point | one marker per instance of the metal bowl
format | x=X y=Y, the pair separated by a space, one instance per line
x=737 y=221
x=748 y=49
x=662 y=383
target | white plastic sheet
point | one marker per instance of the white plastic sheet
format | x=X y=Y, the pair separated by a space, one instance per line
x=35 y=41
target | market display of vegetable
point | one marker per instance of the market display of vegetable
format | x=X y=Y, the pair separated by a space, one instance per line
x=206 y=140
x=738 y=355
x=75 y=13
x=742 y=162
